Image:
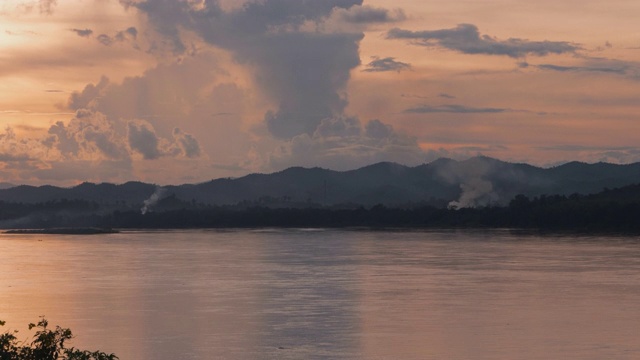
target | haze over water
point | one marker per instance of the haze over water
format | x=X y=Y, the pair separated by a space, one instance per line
x=327 y=294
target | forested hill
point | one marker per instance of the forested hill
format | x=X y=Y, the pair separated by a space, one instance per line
x=479 y=181
x=612 y=210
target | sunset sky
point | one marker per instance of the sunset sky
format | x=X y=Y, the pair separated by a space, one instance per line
x=171 y=92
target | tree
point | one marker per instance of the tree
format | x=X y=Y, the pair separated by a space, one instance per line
x=47 y=344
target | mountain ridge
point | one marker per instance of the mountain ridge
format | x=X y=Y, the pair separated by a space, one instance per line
x=477 y=181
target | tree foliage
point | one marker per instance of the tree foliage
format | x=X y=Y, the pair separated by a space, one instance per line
x=47 y=344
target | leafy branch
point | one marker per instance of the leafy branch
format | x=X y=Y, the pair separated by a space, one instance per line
x=47 y=344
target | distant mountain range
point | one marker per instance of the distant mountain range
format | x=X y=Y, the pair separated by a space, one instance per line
x=474 y=182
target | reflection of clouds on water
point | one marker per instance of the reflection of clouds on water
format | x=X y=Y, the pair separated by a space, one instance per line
x=310 y=298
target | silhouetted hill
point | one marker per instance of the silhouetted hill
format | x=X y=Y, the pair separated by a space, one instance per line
x=477 y=181
x=128 y=193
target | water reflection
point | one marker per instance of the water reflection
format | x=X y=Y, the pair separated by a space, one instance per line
x=310 y=298
x=330 y=294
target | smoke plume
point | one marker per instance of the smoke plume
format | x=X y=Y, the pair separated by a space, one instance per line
x=153 y=199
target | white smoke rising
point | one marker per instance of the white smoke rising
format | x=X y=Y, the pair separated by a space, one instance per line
x=153 y=199
x=473 y=176
x=475 y=192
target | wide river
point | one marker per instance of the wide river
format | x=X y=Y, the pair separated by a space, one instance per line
x=329 y=294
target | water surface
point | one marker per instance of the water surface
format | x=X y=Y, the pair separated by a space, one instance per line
x=328 y=294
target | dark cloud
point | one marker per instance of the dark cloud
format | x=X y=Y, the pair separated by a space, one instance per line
x=124 y=35
x=82 y=32
x=87 y=97
x=62 y=139
x=11 y=158
x=457 y=109
x=143 y=139
x=612 y=70
x=87 y=134
x=466 y=39
x=187 y=144
x=368 y=14
x=131 y=31
x=129 y=34
x=105 y=39
x=446 y=96
x=376 y=129
x=339 y=127
x=627 y=69
x=304 y=72
x=386 y=64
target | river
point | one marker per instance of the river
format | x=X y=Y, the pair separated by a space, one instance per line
x=329 y=294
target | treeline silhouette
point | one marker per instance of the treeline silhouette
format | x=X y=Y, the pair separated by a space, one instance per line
x=610 y=210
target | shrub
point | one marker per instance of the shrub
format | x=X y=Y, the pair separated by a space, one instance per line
x=47 y=344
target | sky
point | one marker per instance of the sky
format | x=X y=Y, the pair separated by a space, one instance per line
x=184 y=91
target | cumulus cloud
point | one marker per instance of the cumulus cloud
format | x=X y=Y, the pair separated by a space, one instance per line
x=90 y=138
x=378 y=64
x=304 y=72
x=186 y=143
x=466 y=38
x=344 y=143
x=89 y=135
x=88 y=96
x=142 y=138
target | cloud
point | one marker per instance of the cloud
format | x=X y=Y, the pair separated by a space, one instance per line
x=129 y=34
x=47 y=6
x=368 y=14
x=587 y=153
x=343 y=143
x=620 y=71
x=628 y=69
x=43 y=6
x=143 y=139
x=82 y=32
x=9 y=158
x=466 y=38
x=306 y=75
x=92 y=137
x=105 y=39
x=87 y=97
x=457 y=109
x=586 y=148
x=186 y=143
x=303 y=72
x=386 y=64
